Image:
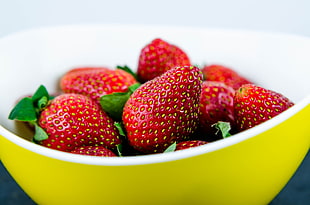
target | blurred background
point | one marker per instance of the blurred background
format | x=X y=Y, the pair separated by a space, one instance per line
x=284 y=16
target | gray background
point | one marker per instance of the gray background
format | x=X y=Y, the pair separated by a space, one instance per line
x=285 y=16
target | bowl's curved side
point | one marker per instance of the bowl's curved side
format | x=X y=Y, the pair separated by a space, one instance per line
x=250 y=172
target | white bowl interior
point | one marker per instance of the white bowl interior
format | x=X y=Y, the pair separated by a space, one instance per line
x=276 y=61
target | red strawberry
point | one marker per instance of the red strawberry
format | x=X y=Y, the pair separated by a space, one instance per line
x=93 y=151
x=216 y=104
x=189 y=144
x=96 y=81
x=159 y=56
x=254 y=105
x=224 y=74
x=73 y=120
x=163 y=110
x=66 y=121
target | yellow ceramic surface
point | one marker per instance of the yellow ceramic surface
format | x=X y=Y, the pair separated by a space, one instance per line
x=248 y=168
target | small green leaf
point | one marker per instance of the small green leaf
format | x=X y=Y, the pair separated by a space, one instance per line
x=171 y=148
x=24 y=111
x=40 y=134
x=134 y=87
x=39 y=93
x=199 y=66
x=28 y=108
x=224 y=128
x=114 y=103
x=120 y=128
x=119 y=149
x=128 y=70
x=42 y=103
x=40 y=98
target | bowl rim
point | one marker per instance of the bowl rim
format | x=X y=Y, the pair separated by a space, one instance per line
x=161 y=157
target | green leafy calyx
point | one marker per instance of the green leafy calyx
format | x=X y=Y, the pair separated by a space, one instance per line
x=28 y=110
x=114 y=103
x=128 y=70
x=224 y=128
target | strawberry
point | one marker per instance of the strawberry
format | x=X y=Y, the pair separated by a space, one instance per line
x=157 y=57
x=216 y=104
x=93 y=151
x=189 y=144
x=72 y=120
x=96 y=81
x=163 y=110
x=254 y=105
x=224 y=74
x=66 y=121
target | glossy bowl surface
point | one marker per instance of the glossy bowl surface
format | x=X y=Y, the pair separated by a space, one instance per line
x=248 y=168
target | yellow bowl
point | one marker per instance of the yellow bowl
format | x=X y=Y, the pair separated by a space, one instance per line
x=248 y=168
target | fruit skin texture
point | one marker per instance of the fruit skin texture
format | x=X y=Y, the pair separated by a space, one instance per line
x=73 y=120
x=216 y=104
x=159 y=56
x=189 y=144
x=94 y=151
x=224 y=74
x=254 y=105
x=96 y=81
x=164 y=110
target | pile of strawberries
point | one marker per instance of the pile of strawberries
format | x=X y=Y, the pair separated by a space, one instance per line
x=167 y=105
